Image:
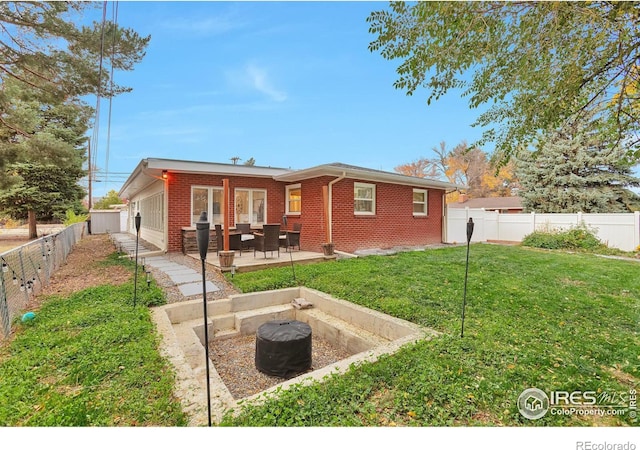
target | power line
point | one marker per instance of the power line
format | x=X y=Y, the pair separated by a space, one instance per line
x=113 y=51
x=96 y=125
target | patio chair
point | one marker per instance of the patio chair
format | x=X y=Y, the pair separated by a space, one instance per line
x=268 y=240
x=247 y=236
x=235 y=240
x=244 y=228
x=292 y=238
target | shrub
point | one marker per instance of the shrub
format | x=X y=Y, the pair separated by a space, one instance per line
x=70 y=217
x=575 y=238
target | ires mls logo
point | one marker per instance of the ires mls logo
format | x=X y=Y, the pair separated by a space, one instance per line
x=534 y=403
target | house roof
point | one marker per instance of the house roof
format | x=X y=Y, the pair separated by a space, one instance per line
x=363 y=173
x=489 y=203
x=150 y=170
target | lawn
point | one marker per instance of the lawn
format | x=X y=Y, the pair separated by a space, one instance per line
x=544 y=319
x=89 y=359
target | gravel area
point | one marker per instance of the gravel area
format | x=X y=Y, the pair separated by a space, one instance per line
x=234 y=360
x=212 y=274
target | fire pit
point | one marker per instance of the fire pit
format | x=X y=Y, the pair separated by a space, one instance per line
x=283 y=348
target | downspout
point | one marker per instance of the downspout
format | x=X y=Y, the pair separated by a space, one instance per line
x=330 y=185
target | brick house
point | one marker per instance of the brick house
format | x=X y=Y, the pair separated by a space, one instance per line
x=354 y=207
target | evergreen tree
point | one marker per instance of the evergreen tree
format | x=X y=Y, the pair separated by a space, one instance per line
x=47 y=63
x=576 y=170
x=43 y=191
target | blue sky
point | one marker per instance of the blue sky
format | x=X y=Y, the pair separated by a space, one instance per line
x=291 y=84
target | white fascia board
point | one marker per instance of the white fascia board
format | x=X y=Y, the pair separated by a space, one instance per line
x=367 y=175
x=174 y=165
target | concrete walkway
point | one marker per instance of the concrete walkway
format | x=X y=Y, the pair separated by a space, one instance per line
x=188 y=281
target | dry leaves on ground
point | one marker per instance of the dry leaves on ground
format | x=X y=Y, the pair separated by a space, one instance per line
x=83 y=269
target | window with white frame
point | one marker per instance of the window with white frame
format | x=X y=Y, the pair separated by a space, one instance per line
x=293 y=195
x=209 y=199
x=251 y=206
x=420 y=203
x=152 y=212
x=364 y=198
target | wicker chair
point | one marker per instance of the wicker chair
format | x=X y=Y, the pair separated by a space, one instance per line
x=293 y=237
x=268 y=240
x=245 y=228
x=247 y=236
x=235 y=240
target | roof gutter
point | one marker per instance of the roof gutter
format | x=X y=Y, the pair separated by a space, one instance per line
x=331 y=183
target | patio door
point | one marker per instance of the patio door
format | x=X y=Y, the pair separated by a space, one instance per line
x=207 y=199
x=251 y=206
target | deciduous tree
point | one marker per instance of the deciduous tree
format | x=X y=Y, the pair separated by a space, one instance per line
x=111 y=198
x=535 y=65
x=465 y=166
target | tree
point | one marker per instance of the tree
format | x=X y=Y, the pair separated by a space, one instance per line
x=41 y=46
x=51 y=133
x=110 y=199
x=47 y=63
x=250 y=162
x=421 y=168
x=41 y=190
x=576 y=170
x=466 y=166
x=535 y=64
x=54 y=134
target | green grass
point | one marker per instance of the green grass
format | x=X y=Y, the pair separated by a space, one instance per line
x=534 y=318
x=89 y=360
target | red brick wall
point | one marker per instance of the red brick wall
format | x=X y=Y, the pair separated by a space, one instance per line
x=393 y=224
x=312 y=214
x=179 y=200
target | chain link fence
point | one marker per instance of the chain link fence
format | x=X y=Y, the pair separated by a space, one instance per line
x=28 y=268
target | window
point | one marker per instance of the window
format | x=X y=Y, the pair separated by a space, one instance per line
x=209 y=199
x=364 y=198
x=152 y=212
x=420 y=204
x=294 y=199
x=251 y=206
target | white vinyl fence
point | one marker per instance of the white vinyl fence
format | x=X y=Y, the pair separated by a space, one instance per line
x=617 y=230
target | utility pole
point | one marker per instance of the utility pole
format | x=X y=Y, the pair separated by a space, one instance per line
x=89 y=173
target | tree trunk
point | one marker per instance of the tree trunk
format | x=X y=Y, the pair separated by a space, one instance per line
x=33 y=232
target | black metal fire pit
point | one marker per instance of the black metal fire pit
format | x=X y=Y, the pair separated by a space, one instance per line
x=283 y=348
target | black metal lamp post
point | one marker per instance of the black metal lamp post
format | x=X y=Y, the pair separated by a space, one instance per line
x=135 y=277
x=284 y=221
x=202 y=237
x=466 y=272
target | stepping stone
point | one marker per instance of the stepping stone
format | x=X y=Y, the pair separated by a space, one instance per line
x=166 y=264
x=179 y=271
x=181 y=279
x=196 y=288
